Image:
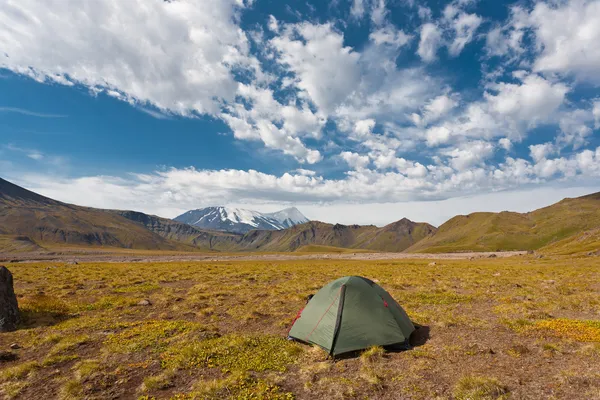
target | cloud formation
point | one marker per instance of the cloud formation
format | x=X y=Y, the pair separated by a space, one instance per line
x=384 y=108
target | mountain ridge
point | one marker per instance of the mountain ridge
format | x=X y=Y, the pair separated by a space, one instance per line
x=240 y=220
x=32 y=222
x=508 y=230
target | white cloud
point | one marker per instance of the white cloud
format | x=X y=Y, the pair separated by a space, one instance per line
x=540 y=152
x=389 y=35
x=596 y=113
x=574 y=128
x=364 y=127
x=36 y=155
x=464 y=27
x=435 y=109
x=358 y=9
x=273 y=24
x=173 y=191
x=507 y=40
x=505 y=143
x=116 y=46
x=437 y=135
x=323 y=65
x=29 y=112
x=378 y=12
x=568 y=34
x=430 y=42
x=469 y=154
x=355 y=160
x=454 y=30
x=530 y=102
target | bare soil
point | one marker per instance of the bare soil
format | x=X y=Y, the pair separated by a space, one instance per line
x=118 y=257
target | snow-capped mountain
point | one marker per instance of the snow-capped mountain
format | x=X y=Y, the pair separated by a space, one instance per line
x=288 y=217
x=240 y=220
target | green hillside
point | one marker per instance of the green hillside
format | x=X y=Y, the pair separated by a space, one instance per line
x=514 y=231
x=581 y=243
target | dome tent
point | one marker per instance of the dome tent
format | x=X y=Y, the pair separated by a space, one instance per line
x=352 y=313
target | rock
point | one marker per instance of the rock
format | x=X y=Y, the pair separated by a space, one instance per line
x=496 y=274
x=145 y=302
x=9 y=308
x=492 y=256
x=539 y=256
x=72 y=263
x=530 y=252
x=432 y=264
x=6 y=356
x=15 y=346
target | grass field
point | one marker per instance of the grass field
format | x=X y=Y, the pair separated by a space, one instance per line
x=498 y=328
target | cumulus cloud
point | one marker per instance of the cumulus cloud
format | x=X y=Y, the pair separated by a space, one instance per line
x=505 y=143
x=175 y=190
x=434 y=110
x=454 y=30
x=115 y=46
x=355 y=160
x=540 y=152
x=464 y=27
x=430 y=42
x=568 y=34
x=301 y=89
x=358 y=9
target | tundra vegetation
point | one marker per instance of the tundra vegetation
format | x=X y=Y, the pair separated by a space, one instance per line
x=499 y=328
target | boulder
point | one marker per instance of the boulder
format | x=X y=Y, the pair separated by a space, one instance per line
x=9 y=309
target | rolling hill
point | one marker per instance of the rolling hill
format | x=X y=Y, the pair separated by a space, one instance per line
x=38 y=221
x=31 y=222
x=484 y=231
x=393 y=237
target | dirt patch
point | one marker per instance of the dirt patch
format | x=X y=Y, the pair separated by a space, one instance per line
x=191 y=257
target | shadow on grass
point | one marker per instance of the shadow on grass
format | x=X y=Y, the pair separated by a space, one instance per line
x=43 y=310
x=36 y=319
x=418 y=338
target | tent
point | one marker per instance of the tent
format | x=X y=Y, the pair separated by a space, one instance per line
x=352 y=313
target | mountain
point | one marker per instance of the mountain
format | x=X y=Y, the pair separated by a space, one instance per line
x=288 y=217
x=484 y=231
x=239 y=220
x=393 y=237
x=31 y=221
x=184 y=233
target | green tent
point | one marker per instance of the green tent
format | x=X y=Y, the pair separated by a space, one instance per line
x=352 y=313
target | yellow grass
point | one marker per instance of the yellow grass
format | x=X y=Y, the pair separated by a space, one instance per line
x=218 y=330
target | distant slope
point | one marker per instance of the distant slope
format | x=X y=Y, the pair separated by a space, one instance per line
x=184 y=233
x=239 y=220
x=514 y=231
x=17 y=244
x=288 y=217
x=44 y=220
x=397 y=236
x=584 y=242
x=394 y=237
x=40 y=221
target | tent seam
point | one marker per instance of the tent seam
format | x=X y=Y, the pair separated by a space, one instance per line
x=326 y=311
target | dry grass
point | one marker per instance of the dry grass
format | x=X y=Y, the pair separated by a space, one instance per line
x=217 y=330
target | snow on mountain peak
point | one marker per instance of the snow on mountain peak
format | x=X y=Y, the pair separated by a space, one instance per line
x=241 y=220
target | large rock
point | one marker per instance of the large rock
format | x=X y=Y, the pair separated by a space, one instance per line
x=9 y=309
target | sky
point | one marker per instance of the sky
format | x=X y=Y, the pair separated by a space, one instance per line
x=360 y=111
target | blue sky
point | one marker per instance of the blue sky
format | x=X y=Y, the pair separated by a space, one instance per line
x=359 y=111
